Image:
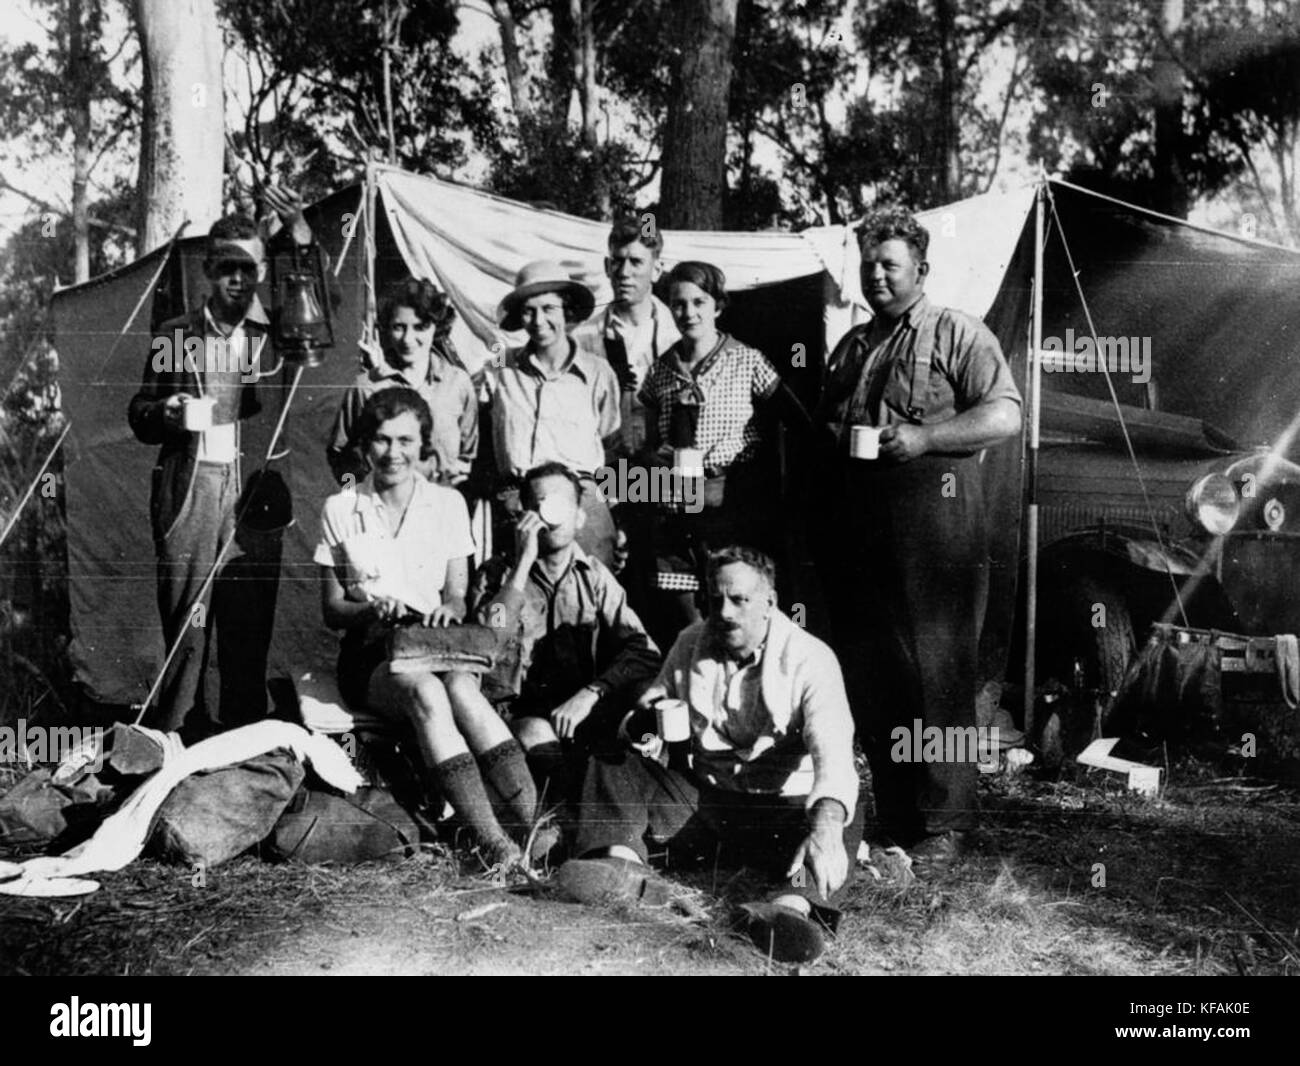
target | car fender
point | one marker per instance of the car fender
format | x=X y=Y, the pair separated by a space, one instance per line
x=1126 y=544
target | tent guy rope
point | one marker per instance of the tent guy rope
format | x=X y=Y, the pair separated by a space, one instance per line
x=1119 y=411
x=249 y=496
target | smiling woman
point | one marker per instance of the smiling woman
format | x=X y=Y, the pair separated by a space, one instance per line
x=552 y=401
x=413 y=351
x=393 y=551
x=704 y=397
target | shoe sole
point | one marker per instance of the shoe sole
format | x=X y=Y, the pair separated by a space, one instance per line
x=783 y=934
x=609 y=880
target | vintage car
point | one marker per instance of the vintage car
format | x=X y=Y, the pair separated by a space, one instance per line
x=1208 y=538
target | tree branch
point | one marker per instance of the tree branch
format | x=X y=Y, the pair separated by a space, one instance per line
x=45 y=205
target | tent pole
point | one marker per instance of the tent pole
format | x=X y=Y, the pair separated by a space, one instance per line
x=1031 y=461
x=372 y=196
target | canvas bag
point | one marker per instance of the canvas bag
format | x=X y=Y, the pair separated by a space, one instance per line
x=213 y=816
x=321 y=825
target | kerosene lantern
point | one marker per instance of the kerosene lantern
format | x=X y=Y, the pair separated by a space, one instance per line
x=300 y=318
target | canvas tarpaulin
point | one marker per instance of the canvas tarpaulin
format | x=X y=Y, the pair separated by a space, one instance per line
x=1220 y=311
x=117 y=642
x=469 y=242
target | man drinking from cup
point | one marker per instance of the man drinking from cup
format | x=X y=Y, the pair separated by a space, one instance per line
x=770 y=782
x=909 y=401
x=201 y=388
x=579 y=654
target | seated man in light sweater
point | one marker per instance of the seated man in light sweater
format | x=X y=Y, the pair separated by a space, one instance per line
x=770 y=779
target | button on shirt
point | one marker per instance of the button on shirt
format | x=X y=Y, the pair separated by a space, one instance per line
x=776 y=723
x=411 y=565
x=732 y=385
x=540 y=416
x=449 y=392
x=877 y=374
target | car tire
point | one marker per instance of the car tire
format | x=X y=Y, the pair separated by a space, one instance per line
x=1091 y=622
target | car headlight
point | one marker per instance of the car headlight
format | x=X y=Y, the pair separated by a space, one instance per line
x=1213 y=504
x=1274 y=514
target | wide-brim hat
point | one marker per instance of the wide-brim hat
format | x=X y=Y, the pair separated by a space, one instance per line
x=544 y=275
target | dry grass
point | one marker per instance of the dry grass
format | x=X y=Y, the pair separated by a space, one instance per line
x=1200 y=881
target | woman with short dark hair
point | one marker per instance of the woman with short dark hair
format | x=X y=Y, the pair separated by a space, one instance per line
x=394 y=551
x=705 y=396
x=415 y=351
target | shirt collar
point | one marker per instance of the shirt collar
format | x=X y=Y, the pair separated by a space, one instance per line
x=578 y=560
x=579 y=362
x=385 y=371
x=368 y=498
x=255 y=315
x=916 y=311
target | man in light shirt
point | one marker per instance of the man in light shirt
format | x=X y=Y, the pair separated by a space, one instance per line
x=770 y=781
x=551 y=401
x=631 y=334
x=636 y=328
x=215 y=355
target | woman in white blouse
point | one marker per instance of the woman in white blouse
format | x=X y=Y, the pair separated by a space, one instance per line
x=394 y=551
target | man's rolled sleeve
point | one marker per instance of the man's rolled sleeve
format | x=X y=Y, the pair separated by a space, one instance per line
x=979 y=372
x=828 y=732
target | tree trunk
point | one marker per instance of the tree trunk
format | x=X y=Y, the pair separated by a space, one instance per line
x=1170 y=195
x=695 y=136
x=584 y=52
x=78 y=81
x=510 y=53
x=949 y=146
x=182 y=145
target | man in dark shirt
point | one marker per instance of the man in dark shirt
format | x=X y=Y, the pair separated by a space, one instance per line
x=904 y=546
x=578 y=655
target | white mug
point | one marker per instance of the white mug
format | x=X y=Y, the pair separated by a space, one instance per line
x=674 y=719
x=688 y=462
x=555 y=511
x=198 y=413
x=864 y=442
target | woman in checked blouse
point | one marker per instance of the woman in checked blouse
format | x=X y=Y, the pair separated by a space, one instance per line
x=706 y=395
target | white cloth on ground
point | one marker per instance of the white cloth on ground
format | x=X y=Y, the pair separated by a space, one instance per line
x=121 y=837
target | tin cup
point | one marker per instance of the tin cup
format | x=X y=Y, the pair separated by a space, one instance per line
x=555 y=511
x=864 y=442
x=198 y=413
x=674 y=720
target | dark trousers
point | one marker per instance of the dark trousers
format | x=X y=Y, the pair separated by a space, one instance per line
x=239 y=609
x=905 y=567
x=737 y=509
x=627 y=798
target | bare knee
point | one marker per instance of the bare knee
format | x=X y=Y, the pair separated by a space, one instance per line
x=427 y=701
x=531 y=732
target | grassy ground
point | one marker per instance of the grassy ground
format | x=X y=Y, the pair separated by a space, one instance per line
x=1072 y=876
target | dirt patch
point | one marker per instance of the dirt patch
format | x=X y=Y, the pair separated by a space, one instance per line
x=1071 y=876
